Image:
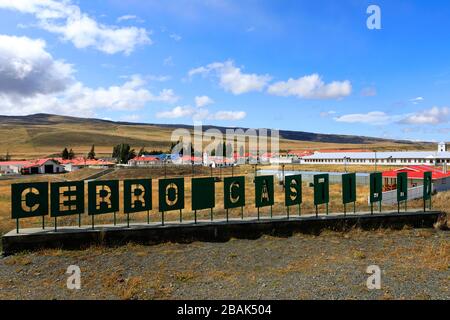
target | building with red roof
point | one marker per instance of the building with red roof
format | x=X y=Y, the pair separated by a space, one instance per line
x=441 y=179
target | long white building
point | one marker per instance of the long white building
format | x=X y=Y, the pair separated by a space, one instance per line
x=439 y=157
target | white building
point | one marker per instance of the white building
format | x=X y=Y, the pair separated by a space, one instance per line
x=381 y=158
x=442 y=147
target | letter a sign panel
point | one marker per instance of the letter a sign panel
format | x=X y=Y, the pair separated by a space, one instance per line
x=137 y=195
x=234 y=192
x=264 y=191
x=171 y=194
x=29 y=200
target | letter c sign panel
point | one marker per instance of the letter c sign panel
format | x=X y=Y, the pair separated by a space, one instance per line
x=29 y=200
x=171 y=194
x=234 y=192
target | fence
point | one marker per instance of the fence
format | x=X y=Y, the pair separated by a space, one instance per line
x=68 y=198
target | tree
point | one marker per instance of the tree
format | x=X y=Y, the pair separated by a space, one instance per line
x=142 y=152
x=71 y=155
x=65 y=154
x=123 y=153
x=91 y=154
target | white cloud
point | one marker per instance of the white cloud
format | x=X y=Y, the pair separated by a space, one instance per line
x=200 y=114
x=229 y=115
x=177 y=112
x=131 y=118
x=78 y=99
x=67 y=20
x=201 y=101
x=434 y=115
x=417 y=100
x=311 y=87
x=326 y=114
x=32 y=81
x=232 y=79
x=128 y=17
x=175 y=37
x=26 y=68
x=374 y=118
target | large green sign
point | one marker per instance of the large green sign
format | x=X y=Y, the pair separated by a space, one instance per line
x=103 y=197
x=264 y=191
x=203 y=193
x=348 y=188
x=321 y=189
x=402 y=186
x=29 y=200
x=137 y=195
x=376 y=187
x=171 y=194
x=293 y=190
x=67 y=198
x=427 y=185
x=234 y=192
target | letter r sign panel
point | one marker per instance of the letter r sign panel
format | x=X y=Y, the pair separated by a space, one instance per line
x=171 y=194
x=137 y=195
x=103 y=197
x=29 y=200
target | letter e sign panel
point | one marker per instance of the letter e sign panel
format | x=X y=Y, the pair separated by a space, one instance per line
x=67 y=198
x=103 y=197
x=264 y=191
x=137 y=195
x=203 y=193
x=171 y=194
x=29 y=200
x=234 y=192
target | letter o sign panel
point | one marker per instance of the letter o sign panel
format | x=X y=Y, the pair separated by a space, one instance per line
x=171 y=194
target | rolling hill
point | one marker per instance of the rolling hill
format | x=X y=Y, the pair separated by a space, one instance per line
x=41 y=135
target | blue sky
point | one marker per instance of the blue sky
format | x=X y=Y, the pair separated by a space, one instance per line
x=299 y=65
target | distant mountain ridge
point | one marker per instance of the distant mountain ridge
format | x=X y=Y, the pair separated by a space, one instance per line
x=51 y=119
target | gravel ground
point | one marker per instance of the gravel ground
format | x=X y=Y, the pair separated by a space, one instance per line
x=414 y=264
